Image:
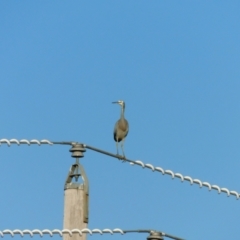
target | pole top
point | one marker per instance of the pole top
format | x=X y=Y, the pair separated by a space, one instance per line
x=77 y=169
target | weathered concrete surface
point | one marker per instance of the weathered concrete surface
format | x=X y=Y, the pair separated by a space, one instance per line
x=73 y=212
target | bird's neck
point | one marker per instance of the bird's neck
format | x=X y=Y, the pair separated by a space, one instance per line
x=122 y=112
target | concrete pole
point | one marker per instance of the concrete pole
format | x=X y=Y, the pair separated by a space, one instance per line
x=74 y=212
x=76 y=197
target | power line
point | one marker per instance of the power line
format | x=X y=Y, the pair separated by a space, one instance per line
x=24 y=141
x=132 y=162
x=81 y=232
x=169 y=172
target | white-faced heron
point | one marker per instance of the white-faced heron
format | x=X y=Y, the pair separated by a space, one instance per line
x=121 y=127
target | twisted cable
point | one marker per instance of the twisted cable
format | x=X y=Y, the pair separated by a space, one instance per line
x=168 y=172
x=57 y=231
x=77 y=231
x=187 y=178
x=24 y=141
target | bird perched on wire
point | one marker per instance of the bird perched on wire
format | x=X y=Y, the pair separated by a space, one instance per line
x=121 y=127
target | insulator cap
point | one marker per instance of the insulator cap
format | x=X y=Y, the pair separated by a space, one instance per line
x=155 y=236
x=77 y=150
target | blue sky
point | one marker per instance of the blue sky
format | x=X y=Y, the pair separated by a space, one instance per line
x=176 y=65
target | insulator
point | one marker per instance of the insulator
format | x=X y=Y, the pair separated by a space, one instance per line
x=155 y=236
x=77 y=150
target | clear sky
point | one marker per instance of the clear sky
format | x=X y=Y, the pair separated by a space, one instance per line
x=176 y=65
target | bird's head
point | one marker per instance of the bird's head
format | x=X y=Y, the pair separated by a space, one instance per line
x=121 y=103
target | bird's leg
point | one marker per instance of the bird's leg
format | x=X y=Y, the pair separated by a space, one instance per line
x=119 y=157
x=117 y=147
x=122 y=143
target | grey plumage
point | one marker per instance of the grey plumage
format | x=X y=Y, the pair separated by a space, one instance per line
x=121 y=127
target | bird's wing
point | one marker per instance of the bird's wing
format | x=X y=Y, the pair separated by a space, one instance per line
x=123 y=125
x=115 y=131
x=127 y=130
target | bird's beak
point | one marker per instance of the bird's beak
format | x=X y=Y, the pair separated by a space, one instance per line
x=114 y=102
